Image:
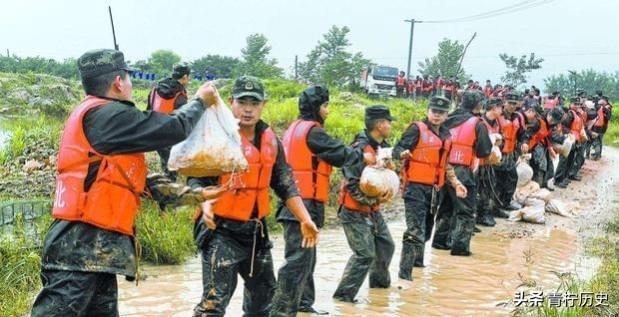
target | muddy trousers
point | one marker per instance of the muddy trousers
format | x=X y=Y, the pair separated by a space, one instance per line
x=487 y=194
x=372 y=246
x=419 y=223
x=508 y=176
x=597 y=144
x=74 y=293
x=455 y=220
x=223 y=259
x=563 y=166
x=164 y=155
x=295 y=282
x=579 y=160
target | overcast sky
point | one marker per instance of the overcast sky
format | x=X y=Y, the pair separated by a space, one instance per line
x=568 y=34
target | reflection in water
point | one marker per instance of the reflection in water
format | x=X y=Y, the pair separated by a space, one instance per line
x=448 y=285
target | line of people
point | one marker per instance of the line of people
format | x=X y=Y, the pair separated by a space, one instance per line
x=449 y=163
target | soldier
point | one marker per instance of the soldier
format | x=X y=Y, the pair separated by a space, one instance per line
x=169 y=95
x=536 y=135
x=424 y=149
x=487 y=206
x=567 y=169
x=232 y=232
x=511 y=123
x=455 y=220
x=101 y=174
x=311 y=153
x=604 y=112
x=366 y=231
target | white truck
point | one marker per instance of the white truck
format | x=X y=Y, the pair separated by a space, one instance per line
x=378 y=80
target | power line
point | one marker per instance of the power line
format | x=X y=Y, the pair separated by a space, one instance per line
x=523 y=5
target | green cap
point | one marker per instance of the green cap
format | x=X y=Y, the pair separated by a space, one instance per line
x=101 y=61
x=513 y=97
x=439 y=103
x=378 y=112
x=248 y=86
x=575 y=100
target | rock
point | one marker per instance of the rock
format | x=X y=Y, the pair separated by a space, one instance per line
x=39 y=101
x=32 y=165
x=346 y=96
x=20 y=95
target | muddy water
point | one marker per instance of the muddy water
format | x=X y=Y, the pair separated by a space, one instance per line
x=504 y=257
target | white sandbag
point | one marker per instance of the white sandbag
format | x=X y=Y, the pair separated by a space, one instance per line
x=534 y=213
x=543 y=194
x=524 y=192
x=524 y=170
x=380 y=180
x=558 y=207
x=213 y=147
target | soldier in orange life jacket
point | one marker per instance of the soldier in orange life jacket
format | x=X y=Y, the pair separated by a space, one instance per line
x=311 y=153
x=366 y=231
x=511 y=124
x=168 y=96
x=101 y=175
x=604 y=110
x=232 y=232
x=536 y=134
x=424 y=149
x=572 y=124
x=455 y=220
x=400 y=84
x=487 y=205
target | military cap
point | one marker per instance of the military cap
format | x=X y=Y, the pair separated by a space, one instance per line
x=556 y=114
x=439 y=103
x=101 y=61
x=513 y=97
x=575 y=100
x=312 y=98
x=494 y=102
x=248 y=86
x=378 y=112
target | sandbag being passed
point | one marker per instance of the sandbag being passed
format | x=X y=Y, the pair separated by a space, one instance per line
x=379 y=180
x=213 y=147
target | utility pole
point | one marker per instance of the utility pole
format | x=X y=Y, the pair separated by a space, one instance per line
x=296 y=67
x=113 y=32
x=410 y=46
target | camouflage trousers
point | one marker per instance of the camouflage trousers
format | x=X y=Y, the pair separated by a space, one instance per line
x=75 y=293
x=419 y=224
x=455 y=220
x=295 y=280
x=370 y=240
x=597 y=144
x=508 y=176
x=223 y=259
x=563 y=168
x=164 y=156
x=579 y=159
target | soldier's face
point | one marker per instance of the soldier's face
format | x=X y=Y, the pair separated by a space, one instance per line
x=124 y=87
x=437 y=117
x=324 y=111
x=384 y=128
x=248 y=110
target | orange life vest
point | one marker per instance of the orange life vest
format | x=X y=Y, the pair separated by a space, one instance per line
x=488 y=91
x=509 y=130
x=401 y=81
x=113 y=199
x=310 y=172
x=251 y=188
x=428 y=158
x=576 y=126
x=491 y=130
x=162 y=105
x=462 y=143
x=348 y=201
x=540 y=136
x=600 y=121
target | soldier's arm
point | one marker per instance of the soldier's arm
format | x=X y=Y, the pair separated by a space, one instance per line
x=451 y=177
x=410 y=137
x=483 y=145
x=119 y=128
x=331 y=150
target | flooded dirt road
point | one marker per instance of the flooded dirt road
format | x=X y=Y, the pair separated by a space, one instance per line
x=503 y=258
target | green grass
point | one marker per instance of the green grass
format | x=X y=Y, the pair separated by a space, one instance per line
x=30 y=133
x=165 y=237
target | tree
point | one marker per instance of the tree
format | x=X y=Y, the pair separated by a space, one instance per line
x=446 y=62
x=161 y=62
x=255 y=58
x=518 y=67
x=217 y=65
x=330 y=63
x=588 y=80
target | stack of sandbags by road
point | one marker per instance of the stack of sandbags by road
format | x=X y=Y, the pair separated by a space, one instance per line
x=535 y=200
